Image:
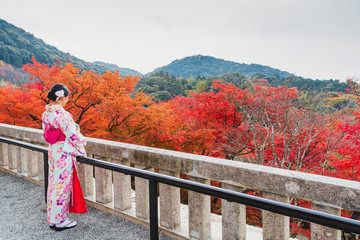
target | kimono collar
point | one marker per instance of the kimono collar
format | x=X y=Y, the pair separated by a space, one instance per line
x=54 y=108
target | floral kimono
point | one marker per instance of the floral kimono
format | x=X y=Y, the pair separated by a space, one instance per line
x=62 y=162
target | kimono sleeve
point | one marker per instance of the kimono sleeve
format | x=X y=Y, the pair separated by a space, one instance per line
x=43 y=121
x=75 y=141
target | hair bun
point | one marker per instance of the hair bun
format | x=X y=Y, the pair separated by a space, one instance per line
x=57 y=91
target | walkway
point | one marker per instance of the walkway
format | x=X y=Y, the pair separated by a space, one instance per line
x=21 y=217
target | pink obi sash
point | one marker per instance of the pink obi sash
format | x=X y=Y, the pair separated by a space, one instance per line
x=53 y=135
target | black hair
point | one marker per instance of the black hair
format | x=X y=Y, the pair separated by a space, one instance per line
x=57 y=87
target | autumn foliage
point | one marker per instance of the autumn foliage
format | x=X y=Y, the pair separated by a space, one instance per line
x=100 y=104
x=272 y=126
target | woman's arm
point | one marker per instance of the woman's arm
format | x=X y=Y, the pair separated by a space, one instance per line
x=75 y=141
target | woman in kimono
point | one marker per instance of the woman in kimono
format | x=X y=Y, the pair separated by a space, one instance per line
x=68 y=144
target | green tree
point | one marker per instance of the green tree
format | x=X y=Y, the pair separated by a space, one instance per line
x=202 y=86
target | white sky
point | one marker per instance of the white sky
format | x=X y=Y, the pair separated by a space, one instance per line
x=311 y=38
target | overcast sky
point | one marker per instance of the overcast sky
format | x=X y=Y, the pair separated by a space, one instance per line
x=311 y=38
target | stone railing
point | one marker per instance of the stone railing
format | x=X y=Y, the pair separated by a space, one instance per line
x=113 y=190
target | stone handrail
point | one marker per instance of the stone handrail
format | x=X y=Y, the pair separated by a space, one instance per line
x=325 y=193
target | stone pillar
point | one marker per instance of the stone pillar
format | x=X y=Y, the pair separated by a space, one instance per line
x=169 y=203
x=32 y=163
x=103 y=183
x=86 y=177
x=40 y=160
x=22 y=160
x=122 y=188
x=13 y=155
x=275 y=226
x=199 y=212
x=233 y=215
x=321 y=232
x=4 y=158
x=142 y=195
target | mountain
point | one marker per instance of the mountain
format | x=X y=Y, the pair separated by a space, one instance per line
x=207 y=66
x=114 y=67
x=18 y=46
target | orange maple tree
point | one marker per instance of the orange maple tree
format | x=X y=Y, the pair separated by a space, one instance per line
x=100 y=104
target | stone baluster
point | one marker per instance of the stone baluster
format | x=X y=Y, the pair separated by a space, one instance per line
x=142 y=195
x=40 y=161
x=13 y=155
x=275 y=226
x=4 y=158
x=86 y=177
x=199 y=212
x=103 y=183
x=122 y=187
x=169 y=203
x=32 y=163
x=22 y=160
x=319 y=232
x=233 y=215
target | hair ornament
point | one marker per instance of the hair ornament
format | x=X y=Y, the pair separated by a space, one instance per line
x=59 y=94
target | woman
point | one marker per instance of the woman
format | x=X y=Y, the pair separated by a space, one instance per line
x=68 y=144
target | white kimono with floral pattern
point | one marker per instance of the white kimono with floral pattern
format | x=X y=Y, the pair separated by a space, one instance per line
x=62 y=159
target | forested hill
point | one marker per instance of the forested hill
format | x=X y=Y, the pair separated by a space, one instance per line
x=207 y=66
x=18 y=46
x=114 y=67
x=163 y=87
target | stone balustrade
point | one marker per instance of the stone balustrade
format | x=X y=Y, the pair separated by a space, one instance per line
x=113 y=190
